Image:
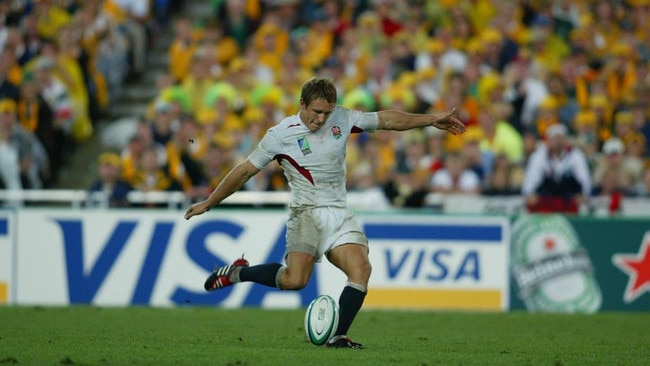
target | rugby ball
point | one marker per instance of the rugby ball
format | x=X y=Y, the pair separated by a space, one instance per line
x=321 y=319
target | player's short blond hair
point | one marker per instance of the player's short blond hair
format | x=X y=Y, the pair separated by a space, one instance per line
x=318 y=88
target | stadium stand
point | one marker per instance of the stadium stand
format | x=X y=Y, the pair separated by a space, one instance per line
x=220 y=72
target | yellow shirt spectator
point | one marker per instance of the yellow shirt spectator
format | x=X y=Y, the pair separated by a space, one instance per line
x=271 y=42
x=50 y=18
x=182 y=50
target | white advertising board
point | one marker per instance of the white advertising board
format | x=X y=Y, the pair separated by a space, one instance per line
x=7 y=243
x=155 y=257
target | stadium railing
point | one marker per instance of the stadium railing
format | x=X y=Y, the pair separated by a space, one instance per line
x=435 y=202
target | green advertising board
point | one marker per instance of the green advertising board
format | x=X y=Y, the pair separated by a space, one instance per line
x=578 y=264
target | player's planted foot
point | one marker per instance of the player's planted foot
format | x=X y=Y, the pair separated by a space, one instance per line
x=342 y=341
x=221 y=276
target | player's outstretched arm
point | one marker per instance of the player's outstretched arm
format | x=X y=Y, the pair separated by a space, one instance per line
x=233 y=181
x=400 y=121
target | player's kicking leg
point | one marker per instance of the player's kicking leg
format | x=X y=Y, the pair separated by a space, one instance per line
x=353 y=260
x=294 y=276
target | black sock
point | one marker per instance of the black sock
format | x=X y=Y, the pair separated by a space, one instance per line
x=264 y=274
x=349 y=304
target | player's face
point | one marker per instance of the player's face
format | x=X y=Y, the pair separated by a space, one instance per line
x=316 y=113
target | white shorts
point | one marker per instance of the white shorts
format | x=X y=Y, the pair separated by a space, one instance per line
x=317 y=230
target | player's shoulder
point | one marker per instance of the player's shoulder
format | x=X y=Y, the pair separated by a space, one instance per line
x=288 y=126
x=339 y=109
x=288 y=123
x=343 y=114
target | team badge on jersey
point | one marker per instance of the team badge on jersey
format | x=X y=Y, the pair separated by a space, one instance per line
x=336 y=132
x=303 y=143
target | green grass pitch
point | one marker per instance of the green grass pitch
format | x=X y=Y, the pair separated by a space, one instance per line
x=81 y=335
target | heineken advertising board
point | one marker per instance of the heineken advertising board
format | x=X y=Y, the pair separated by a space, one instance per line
x=580 y=265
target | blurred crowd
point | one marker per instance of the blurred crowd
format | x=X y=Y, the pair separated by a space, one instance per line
x=62 y=62
x=555 y=94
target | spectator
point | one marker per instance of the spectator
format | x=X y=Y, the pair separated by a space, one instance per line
x=151 y=176
x=199 y=80
x=164 y=122
x=369 y=155
x=525 y=89
x=131 y=157
x=61 y=67
x=504 y=178
x=319 y=32
x=623 y=125
x=32 y=41
x=455 y=95
x=547 y=115
x=50 y=18
x=641 y=120
x=435 y=148
x=14 y=71
x=559 y=90
x=184 y=157
x=499 y=137
x=182 y=49
x=133 y=19
x=366 y=193
x=407 y=185
x=455 y=177
x=223 y=49
x=608 y=194
x=57 y=96
x=32 y=157
x=614 y=160
x=557 y=176
x=216 y=163
x=36 y=116
x=8 y=88
x=478 y=161
x=635 y=155
x=255 y=129
x=413 y=156
x=642 y=189
x=498 y=184
x=585 y=124
x=109 y=182
x=239 y=21
x=110 y=47
x=9 y=166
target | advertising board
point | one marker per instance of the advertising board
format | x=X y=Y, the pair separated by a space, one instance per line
x=155 y=257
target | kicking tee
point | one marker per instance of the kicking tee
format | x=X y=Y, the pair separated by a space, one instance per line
x=313 y=162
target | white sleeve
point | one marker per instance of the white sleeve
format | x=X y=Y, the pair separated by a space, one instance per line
x=266 y=150
x=9 y=167
x=365 y=121
x=534 y=173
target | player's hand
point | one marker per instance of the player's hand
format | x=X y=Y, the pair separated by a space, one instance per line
x=449 y=122
x=196 y=209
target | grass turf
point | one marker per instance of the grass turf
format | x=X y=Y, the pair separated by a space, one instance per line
x=201 y=336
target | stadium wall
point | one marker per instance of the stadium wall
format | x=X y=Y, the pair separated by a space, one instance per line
x=59 y=257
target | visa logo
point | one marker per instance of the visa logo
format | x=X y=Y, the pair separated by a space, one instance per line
x=433 y=265
x=85 y=282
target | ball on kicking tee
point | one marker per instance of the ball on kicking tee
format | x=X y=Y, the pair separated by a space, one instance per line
x=321 y=319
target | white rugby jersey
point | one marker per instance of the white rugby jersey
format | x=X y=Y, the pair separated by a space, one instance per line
x=313 y=162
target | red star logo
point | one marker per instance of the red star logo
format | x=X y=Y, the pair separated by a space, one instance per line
x=638 y=268
x=549 y=244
